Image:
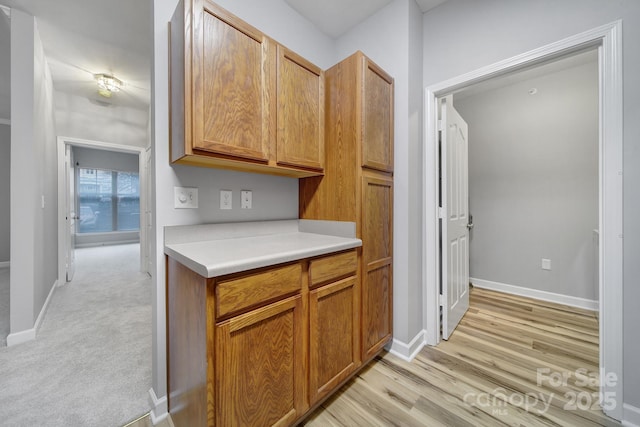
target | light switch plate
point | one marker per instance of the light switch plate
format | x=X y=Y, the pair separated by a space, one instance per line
x=546 y=264
x=226 y=199
x=185 y=198
x=246 y=199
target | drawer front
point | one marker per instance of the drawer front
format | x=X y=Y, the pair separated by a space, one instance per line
x=325 y=269
x=238 y=293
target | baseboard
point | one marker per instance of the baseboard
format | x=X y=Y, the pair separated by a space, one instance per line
x=409 y=351
x=99 y=244
x=30 y=334
x=159 y=407
x=4 y=264
x=45 y=306
x=630 y=415
x=21 y=337
x=534 y=293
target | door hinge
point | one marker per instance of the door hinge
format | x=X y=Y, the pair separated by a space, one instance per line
x=441 y=300
x=439 y=125
x=441 y=214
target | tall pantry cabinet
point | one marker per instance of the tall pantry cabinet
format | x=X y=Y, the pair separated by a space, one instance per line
x=358 y=183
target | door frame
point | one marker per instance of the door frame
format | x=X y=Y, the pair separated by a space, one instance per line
x=608 y=40
x=63 y=141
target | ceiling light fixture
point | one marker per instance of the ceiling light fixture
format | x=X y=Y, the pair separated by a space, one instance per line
x=107 y=84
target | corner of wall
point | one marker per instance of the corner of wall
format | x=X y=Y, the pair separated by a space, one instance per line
x=159 y=407
x=408 y=351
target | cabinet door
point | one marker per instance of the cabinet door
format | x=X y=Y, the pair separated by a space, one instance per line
x=333 y=336
x=259 y=361
x=300 y=88
x=377 y=120
x=377 y=279
x=231 y=87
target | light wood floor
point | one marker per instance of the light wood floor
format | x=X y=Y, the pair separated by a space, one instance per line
x=511 y=361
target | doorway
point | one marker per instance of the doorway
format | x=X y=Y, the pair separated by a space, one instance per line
x=114 y=205
x=606 y=40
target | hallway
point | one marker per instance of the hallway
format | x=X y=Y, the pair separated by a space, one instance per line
x=90 y=364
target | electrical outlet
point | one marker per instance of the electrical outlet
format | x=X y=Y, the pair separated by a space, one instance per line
x=185 y=198
x=226 y=199
x=546 y=264
x=245 y=199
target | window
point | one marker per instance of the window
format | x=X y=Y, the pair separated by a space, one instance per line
x=108 y=201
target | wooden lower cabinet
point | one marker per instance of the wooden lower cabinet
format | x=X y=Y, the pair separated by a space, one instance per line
x=259 y=374
x=264 y=347
x=333 y=340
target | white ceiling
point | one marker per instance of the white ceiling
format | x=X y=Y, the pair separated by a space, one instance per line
x=335 y=17
x=83 y=38
x=553 y=66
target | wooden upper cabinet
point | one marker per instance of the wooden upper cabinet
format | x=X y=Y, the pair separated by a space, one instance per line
x=239 y=100
x=300 y=114
x=232 y=100
x=377 y=117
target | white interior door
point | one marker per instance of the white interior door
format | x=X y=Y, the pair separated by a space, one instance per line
x=71 y=214
x=454 y=217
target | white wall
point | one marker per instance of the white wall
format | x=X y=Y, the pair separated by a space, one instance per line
x=463 y=35
x=5 y=176
x=80 y=117
x=273 y=197
x=533 y=182
x=5 y=67
x=102 y=159
x=33 y=176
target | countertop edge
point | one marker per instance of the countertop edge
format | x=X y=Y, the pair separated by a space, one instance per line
x=241 y=265
x=275 y=259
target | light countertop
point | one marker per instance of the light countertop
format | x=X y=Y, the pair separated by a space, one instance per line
x=217 y=249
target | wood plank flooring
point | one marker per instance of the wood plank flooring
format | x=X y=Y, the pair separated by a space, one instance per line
x=511 y=361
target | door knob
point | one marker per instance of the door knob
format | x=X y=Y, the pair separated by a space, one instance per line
x=470 y=225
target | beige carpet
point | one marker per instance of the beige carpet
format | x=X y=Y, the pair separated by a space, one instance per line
x=91 y=362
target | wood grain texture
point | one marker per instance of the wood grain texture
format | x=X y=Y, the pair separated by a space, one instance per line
x=483 y=376
x=204 y=159
x=300 y=116
x=333 y=352
x=257 y=355
x=377 y=276
x=186 y=344
x=377 y=112
x=377 y=217
x=336 y=195
x=332 y=267
x=234 y=88
x=223 y=97
x=239 y=292
x=359 y=124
